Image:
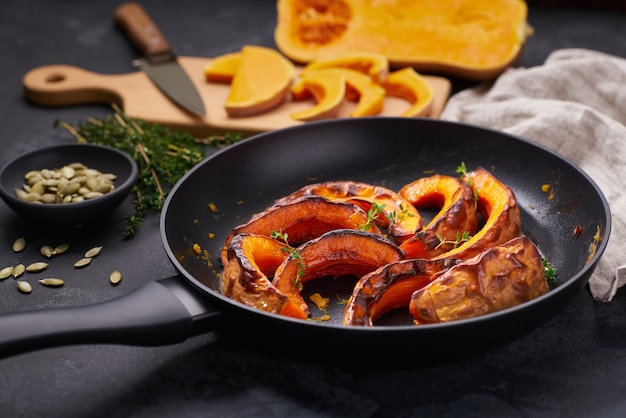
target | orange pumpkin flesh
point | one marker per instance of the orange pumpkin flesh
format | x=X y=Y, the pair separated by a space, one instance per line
x=250 y=260
x=336 y=253
x=407 y=219
x=498 y=207
x=303 y=219
x=407 y=84
x=328 y=91
x=390 y=287
x=498 y=278
x=456 y=216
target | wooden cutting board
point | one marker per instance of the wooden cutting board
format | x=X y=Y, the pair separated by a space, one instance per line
x=137 y=96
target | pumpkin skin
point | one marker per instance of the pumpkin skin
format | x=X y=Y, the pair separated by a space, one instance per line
x=390 y=287
x=456 y=216
x=408 y=220
x=302 y=219
x=496 y=279
x=336 y=253
x=474 y=39
x=250 y=260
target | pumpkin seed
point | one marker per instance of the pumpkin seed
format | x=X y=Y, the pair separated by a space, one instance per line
x=6 y=272
x=24 y=287
x=115 y=277
x=19 y=244
x=83 y=262
x=93 y=252
x=51 y=282
x=47 y=251
x=37 y=266
x=61 y=248
x=18 y=270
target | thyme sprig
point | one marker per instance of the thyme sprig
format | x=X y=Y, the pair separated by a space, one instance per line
x=462 y=169
x=295 y=254
x=163 y=155
x=372 y=215
x=460 y=238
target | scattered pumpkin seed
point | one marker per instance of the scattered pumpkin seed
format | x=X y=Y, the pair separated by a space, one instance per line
x=51 y=282
x=93 y=252
x=61 y=248
x=19 y=244
x=37 y=266
x=6 y=272
x=83 y=262
x=115 y=277
x=47 y=251
x=24 y=287
x=18 y=270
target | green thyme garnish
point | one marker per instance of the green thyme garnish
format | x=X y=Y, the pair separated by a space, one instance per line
x=460 y=238
x=162 y=154
x=295 y=254
x=372 y=215
x=549 y=271
x=394 y=217
x=462 y=169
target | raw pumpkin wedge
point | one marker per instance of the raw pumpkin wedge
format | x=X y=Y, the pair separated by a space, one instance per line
x=337 y=253
x=411 y=86
x=328 y=90
x=371 y=63
x=222 y=69
x=473 y=39
x=260 y=83
x=370 y=97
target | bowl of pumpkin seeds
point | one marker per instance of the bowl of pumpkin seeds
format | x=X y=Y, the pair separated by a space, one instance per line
x=68 y=184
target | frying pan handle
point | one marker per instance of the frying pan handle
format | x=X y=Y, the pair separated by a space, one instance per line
x=157 y=313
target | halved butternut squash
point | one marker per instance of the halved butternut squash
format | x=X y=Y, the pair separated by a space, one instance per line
x=407 y=84
x=260 y=83
x=457 y=214
x=336 y=253
x=398 y=214
x=390 y=287
x=496 y=279
x=250 y=260
x=303 y=219
x=475 y=39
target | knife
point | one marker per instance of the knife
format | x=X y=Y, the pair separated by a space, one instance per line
x=159 y=61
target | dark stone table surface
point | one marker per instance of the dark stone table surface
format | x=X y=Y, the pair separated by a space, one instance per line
x=572 y=366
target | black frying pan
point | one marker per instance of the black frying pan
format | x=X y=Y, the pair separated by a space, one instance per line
x=245 y=178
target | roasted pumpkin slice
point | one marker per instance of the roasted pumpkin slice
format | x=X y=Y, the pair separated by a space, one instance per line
x=475 y=39
x=261 y=82
x=498 y=206
x=390 y=287
x=222 y=69
x=303 y=219
x=250 y=259
x=407 y=84
x=337 y=253
x=456 y=218
x=374 y=64
x=398 y=215
x=498 y=278
x=328 y=90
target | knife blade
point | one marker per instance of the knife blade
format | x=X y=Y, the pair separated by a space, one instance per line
x=159 y=61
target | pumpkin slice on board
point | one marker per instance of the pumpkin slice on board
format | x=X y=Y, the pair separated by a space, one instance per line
x=371 y=63
x=260 y=83
x=328 y=89
x=411 y=86
x=222 y=69
x=370 y=97
x=475 y=39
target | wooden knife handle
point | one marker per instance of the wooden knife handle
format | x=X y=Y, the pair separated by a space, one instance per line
x=142 y=31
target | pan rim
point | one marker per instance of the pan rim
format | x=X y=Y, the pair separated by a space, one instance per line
x=565 y=286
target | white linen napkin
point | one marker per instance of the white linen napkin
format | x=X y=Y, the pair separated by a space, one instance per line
x=574 y=104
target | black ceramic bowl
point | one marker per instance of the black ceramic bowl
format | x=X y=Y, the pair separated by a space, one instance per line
x=102 y=158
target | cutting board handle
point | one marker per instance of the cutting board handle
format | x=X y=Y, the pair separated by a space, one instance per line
x=63 y=85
